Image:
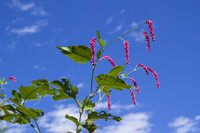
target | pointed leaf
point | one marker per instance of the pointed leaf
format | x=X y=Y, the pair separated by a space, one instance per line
x=116 y=71
x=73 y=119
x=80 y=53
x=102 y=115
x=89 y=125
x=102 y=43
x=3 y=82
x=17 y=96
x=99 y=53
x=111 y=82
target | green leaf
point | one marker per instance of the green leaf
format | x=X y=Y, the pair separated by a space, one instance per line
x=80 y=53
x=17 y=97
x=116 y=71
x=89 y=125
x=73 y=119
x=101 y=42
x=3 y=82
x=98 y=34
x=111 y=82
x=65 y=90
x=29 y=93
x=102 y=115
x=99 y=53
x=106 y=91
x=10 y=115
x=90 y=106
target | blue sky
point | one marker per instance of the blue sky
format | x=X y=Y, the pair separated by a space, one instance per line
x=30 y=30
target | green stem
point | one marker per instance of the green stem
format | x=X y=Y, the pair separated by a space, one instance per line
x=92 y=79
x=37 y=126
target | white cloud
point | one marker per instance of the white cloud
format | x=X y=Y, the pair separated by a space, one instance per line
x=134 y=24
x=55 y=121
x=118 y=28
x=122 y=11
x=138 y=36
x=30 y=29
x=12 y=46
x=81 y=85
x=197 y=117
x=130 y=123
x=23 y=7
x=37 y=67
x=39 y=11
x=183 y=125
x=110 y=19
x=14 y=128
x=114 y=107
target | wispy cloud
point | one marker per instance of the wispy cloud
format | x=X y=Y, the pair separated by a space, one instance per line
x=133 y=24
x=12 y=46
x=37 y=67
x=55 y=121
x=23 y=7
x=122 y=11
x=138 y=36
x=81 y=85
x=184 y=125
x=114 y=107
x=130 y=123
x=32 y=7
x=118 y=28
x=109 y=20
x=14 y=128
x=30 y=29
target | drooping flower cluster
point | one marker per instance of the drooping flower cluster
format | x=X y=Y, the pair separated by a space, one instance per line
x=126 y=47
x=92 y=45
x=147 y=40
x=149 y=22
x=109 y=105
x=145 y=68
x=133 y=96
x=136 y=86
x=155 y=75
x=14 y=79
x=110 y=60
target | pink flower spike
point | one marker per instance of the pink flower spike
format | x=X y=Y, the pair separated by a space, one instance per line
x=149 y=22
x=14 y=79
x=147 y=40
x=155 y=75
x=109 y=105
x=126 y=46
x=92 y=45
x=133 y=96
x=144 y=67
x=136 y=86
x=110 y=60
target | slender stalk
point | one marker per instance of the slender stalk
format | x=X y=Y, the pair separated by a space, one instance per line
x=37 y=126
x=92 y=79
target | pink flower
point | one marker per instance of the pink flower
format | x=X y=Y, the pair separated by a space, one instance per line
x=155 y=75
x=147 y=40
x=145 y=68
x=92 y=45
x=110 y=60
x=149 y=22
x=14 y=79
x=126 y=46
x=133 y=96
x=109 y=105
x=136 y=86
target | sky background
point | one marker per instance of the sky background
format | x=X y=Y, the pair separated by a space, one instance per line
x=30 y=30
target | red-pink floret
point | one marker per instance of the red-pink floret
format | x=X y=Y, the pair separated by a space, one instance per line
x=144 y=67
x=126 y=46
x=147 y=40
x=133 y=96
x=14 y=79
x=136 y=86
x=92 y=45
x=149 y=22
x=155 y=75
x=110 y=60
x=109 y=105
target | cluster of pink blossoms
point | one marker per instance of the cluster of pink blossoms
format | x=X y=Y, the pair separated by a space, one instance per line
x=14 y=79
x=145 y=68
x=136 y=86
x=155 y=75
x=109 y=105
x=92 y=45
x=149 y=22
x=147 y=40
x=133 y=96
x=110 y=60
x=126 y=46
